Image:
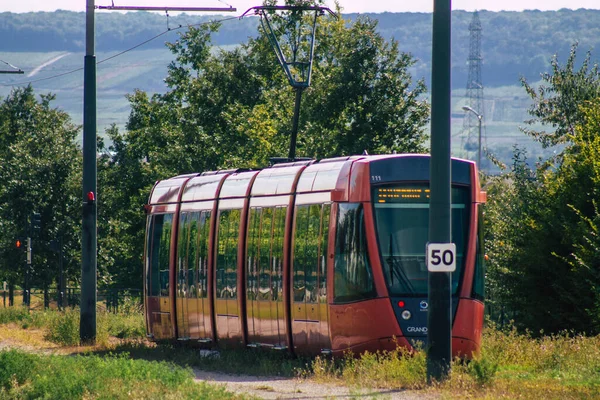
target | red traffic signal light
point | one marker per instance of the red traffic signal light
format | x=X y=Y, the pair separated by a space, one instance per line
x=19 y=243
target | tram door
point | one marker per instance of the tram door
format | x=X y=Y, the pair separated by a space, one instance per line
x=157 y=275
x=310 y=317
x=193 y=313
x=264 y=277
x=226 y=295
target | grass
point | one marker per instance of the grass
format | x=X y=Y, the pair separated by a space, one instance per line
x=255 y=362
x=510 y=364
x=89 y=372
x=63 y=327
x=25 y=375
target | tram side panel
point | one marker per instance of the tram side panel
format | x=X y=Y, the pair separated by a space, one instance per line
x=193 y=303
x=361 y=318
x=468 y=323
x=264 y=275
x=227 y=312
x=310 y=316
x=157 y=275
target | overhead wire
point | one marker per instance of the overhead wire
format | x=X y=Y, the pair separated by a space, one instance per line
x=10 y=65
x=115 y=55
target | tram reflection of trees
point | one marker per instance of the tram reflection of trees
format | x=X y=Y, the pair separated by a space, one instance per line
x=266 y=234
x=310 y=250
x=192 y=264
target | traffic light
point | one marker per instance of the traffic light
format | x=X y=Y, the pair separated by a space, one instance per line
x=21 y=243
x=36 y=223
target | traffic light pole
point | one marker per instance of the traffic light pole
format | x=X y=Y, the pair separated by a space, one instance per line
x=87 y=324
x=28 y=262
x=439 y=322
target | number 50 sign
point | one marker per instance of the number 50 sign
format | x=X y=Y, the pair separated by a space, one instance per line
x=441 y=257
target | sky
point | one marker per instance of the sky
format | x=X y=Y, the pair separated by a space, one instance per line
x=349 y=6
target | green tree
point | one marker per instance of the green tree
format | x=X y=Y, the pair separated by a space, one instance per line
x=543 y=219
x=575 y=188
x=542 y=236
x=557 y=101
x=39 y=172
x=233 y=108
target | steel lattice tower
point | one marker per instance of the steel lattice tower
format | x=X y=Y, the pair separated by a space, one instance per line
x=474 y=94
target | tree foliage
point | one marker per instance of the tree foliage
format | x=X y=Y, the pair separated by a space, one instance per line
x=543 y=219
x=233 y=108
x=557 y=101
x=40 y=168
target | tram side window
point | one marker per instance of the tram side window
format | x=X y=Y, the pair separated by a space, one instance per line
x=192 y=250
x=277 y=253
x=202 y=254
x=353 y=279
x=192 y=254
x=182 y=250
x=254 y=240
x=226 y=268
x=323 y=253
x=151 y=286
x=264 y=266
x=479 y=276
x=300 y=250
x=159 y=241
x=310 y=246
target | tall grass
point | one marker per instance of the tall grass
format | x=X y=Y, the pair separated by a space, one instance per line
x=387 y=369
x=62 y=327
x=29 y=376
x=256 y=362
x=509 y=365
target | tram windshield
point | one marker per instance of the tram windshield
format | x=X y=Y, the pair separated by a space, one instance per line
x=402 y=225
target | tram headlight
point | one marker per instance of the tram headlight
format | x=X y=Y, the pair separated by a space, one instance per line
x=406 y=314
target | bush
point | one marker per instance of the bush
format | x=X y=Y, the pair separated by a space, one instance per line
x=63 y=328
x=15 y=368
x=483 y=368
x=126 y=326
x=398 y=368
x=15 y=314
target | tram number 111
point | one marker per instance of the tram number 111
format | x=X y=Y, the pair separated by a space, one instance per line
x=441 y=257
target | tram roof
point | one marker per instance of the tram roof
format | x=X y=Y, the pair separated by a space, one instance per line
x=279 y=179
x=168 y=190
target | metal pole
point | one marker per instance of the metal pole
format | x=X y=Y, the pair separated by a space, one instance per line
x=439 y=320
x=292 y=154
x=61 y=286
x=479 y=116
x=166 y=8
x=28 y=269
x=87 y=326
x=26 y=286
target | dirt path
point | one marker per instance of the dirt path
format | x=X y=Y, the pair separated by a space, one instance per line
x=294 y=388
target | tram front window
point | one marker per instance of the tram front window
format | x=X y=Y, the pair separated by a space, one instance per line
x=402 y=224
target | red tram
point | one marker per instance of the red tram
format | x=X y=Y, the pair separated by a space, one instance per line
x=309 y=257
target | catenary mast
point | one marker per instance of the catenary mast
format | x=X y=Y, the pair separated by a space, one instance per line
x=474 y=93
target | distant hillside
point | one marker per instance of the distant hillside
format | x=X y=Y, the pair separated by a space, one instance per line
x=513 y=43
x=49 y=47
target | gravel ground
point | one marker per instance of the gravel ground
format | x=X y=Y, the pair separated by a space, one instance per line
x=294 y=388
